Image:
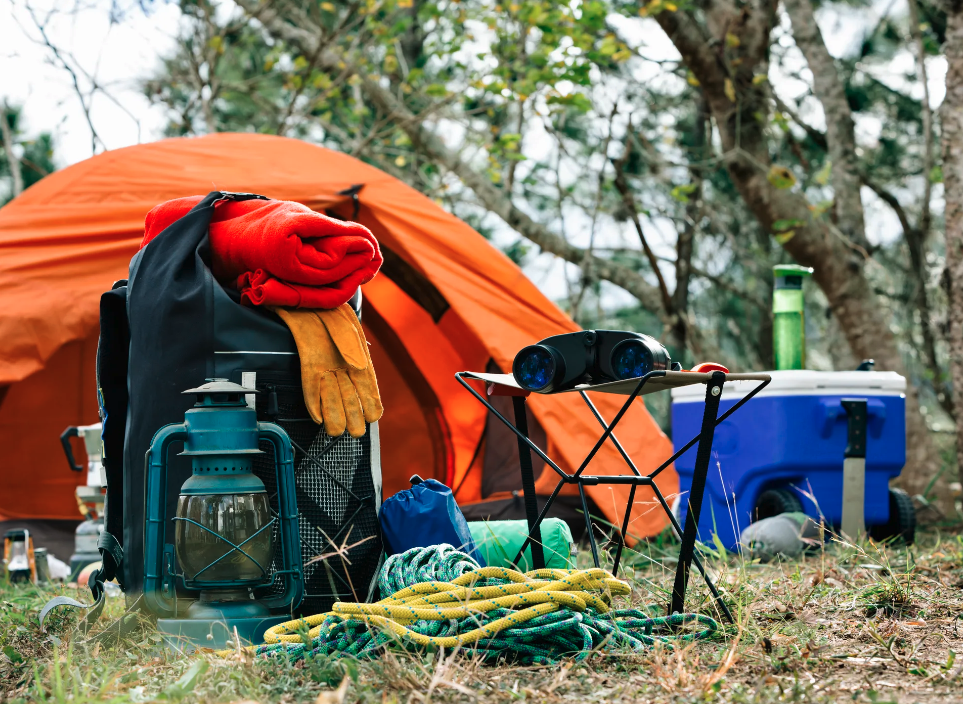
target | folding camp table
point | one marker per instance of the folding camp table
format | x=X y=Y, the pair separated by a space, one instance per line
x=505 y=385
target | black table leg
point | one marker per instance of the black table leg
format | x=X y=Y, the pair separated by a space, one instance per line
x=624 y=531
x=701 y=472
x=528 y=484
x=588 y=525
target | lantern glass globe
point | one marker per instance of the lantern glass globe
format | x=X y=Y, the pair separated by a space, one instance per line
x=234 y=516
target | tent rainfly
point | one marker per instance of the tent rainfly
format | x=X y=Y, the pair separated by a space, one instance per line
x=446 y=300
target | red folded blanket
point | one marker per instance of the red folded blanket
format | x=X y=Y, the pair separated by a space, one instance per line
x=280 y=253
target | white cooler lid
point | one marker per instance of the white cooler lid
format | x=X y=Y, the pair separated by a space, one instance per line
x=804 y=382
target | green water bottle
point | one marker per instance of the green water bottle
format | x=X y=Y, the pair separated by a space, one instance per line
x=788 y=316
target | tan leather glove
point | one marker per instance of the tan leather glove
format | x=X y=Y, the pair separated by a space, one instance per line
x=339 y=382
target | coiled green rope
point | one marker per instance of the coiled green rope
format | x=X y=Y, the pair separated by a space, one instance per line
x=442 y=598
x=438 y=563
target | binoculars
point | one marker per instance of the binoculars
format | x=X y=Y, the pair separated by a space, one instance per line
x=562 y=362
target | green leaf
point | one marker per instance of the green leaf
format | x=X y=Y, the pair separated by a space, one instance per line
x=732 y=41
x=781 y=177
x=14 y=656
x=950 y=659
x=185 y=685
x=936 y=174
x=719 y=545
x=784 y=237
x=782 y=225
x=576 y=100
x=822 y=176
x=351 y=669
x=682 y=193
x=609 y=46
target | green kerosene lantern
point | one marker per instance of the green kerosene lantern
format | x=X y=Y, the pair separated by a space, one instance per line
x=215 y=582
x=789 y=316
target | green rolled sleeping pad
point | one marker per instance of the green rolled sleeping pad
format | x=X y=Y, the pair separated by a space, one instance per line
x=499 y=541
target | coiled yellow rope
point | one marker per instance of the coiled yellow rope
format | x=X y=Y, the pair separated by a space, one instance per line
x=490 y=612
x=535 y=593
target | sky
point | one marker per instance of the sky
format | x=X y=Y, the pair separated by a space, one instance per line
x=119 y=54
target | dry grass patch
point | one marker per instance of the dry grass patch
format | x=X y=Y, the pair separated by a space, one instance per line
x=862 y=623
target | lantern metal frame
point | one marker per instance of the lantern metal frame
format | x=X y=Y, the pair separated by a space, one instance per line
x=654 y=381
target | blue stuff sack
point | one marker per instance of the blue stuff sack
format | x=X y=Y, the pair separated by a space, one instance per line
x=425 y=515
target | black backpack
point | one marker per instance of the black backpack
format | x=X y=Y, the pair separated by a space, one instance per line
x=169 y=327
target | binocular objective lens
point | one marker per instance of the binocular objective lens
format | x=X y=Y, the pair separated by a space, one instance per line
x=535 y=369
x=631 y=360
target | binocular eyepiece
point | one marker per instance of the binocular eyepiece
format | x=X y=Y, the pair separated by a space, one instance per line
x=562 y=362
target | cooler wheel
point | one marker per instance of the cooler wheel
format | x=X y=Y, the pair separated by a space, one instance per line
x=772 y=502
x=902 y=519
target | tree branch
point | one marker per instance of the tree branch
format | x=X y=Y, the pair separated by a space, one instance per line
x=819 y=138
x=66 y=65
x=890 y=200
x=431 y=147
x=628 y=201
x=927 y=117
x=13 y=161
x=840 y=129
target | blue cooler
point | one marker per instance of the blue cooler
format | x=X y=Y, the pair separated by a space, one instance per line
x=788 y=442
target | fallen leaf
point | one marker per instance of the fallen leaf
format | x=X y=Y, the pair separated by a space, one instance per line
x=730 y=91
x=336 y=696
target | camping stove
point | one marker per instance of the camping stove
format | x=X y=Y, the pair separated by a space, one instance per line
x=90 y=498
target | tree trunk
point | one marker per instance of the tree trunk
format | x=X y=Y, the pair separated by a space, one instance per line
x=837 y=260
x=951 y=114
x=685 y=244
x=840 y=129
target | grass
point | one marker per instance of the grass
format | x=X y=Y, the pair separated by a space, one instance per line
x=862 y=623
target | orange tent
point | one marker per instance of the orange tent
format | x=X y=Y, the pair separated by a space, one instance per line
x=445 y=301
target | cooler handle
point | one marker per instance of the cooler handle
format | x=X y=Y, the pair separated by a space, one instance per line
x=831 y=410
